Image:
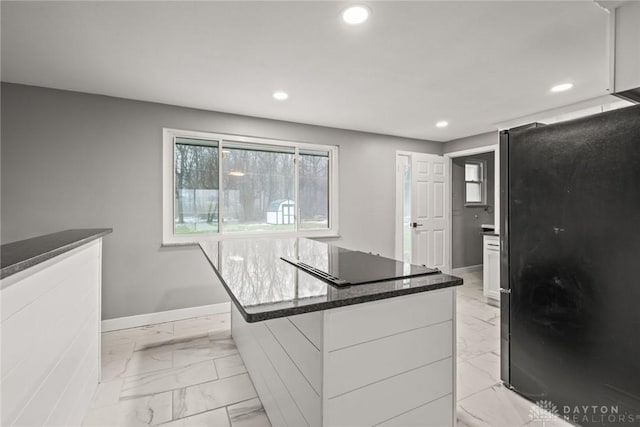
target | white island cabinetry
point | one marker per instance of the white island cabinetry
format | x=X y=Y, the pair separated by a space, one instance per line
x=386 y=362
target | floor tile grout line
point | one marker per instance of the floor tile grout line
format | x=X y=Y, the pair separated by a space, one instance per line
x=244 y=401
x=499 y=383
x=172 y=405
x=213 y=409
x=150 y=344
x=172 y=367
x=180 y=388
x=215 y=369
x=226 y=410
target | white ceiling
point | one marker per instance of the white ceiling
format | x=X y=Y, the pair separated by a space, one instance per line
x=412 y=64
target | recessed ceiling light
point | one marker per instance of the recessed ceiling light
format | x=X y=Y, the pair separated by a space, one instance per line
x=280 y=95
x=236 y=173
x=442 y=124
x=562 y=87
x=355 y=15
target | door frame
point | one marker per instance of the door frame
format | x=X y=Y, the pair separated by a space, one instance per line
x=399 y=246
x=496 y=184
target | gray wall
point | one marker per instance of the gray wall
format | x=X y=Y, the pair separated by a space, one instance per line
x=466 y=221
x=475 y=141
x=73 y=160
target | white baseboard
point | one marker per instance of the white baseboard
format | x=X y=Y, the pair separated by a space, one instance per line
x=465 y=270
x=164 y=316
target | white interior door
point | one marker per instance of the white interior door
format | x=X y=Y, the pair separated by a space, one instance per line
x=429 y=239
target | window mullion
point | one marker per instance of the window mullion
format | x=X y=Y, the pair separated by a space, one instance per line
x=296 y=187
x=173 y=188
x=220 y=189
x=330 y=189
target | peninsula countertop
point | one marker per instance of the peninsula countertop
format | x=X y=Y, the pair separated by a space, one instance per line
x=262 y=286
x=20 y=255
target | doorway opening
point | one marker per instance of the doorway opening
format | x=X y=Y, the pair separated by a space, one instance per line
x=403 y=207
x=474 y=205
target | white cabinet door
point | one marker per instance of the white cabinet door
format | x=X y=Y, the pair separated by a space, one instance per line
x=491 y=269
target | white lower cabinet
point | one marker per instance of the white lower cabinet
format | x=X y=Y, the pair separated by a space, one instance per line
x=491 y=269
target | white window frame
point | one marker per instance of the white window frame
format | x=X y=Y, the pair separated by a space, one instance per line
x=482 y=164
x=169 y=238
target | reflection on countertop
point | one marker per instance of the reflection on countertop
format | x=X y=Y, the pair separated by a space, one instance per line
x=263 y=286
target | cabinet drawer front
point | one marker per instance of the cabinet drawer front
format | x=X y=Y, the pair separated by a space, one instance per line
x=491 y=242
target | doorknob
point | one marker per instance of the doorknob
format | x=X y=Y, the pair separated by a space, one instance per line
x=415 y=224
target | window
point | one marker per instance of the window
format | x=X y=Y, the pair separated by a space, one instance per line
x=217 y=185
x=475 y=184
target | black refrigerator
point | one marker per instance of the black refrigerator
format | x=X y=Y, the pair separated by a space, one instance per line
x=570 y=266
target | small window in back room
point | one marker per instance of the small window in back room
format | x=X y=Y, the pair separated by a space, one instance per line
x=475 y=184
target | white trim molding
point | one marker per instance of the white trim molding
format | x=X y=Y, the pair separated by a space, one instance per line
x=164 y=316
x=495 y=148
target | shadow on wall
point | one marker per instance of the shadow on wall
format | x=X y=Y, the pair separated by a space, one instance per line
x=466 y=221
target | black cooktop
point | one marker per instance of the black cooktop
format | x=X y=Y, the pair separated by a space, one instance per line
x=346 y=268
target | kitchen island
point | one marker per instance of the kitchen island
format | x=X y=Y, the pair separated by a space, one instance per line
x=380 y=353
x=50 y=290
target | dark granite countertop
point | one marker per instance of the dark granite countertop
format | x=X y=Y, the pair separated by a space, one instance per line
x=262 y=286
x=20 y=255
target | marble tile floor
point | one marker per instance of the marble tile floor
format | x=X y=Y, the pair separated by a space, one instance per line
x=482 y=400
x=184 y=373
x=189 y=373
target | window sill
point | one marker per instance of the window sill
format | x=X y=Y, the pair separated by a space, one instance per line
x=191 y=241
x=179 y=245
